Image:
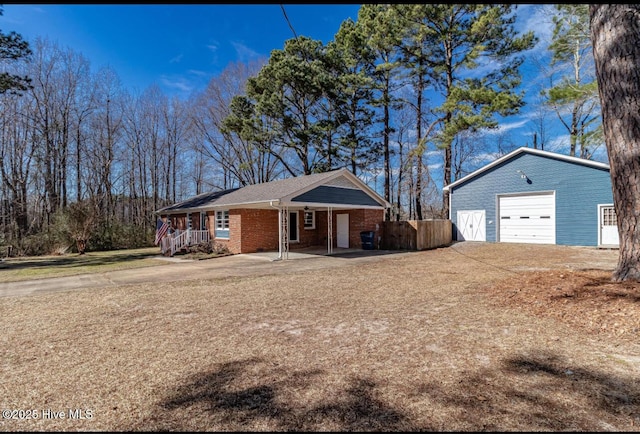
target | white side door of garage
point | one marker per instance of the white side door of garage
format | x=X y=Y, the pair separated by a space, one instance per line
x=608 y=226
x=527 y=218
x=471 y=225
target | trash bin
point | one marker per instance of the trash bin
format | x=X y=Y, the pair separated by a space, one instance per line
x=367 y=238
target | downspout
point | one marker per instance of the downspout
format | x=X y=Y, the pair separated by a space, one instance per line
x=450 y=212
x=329 y=230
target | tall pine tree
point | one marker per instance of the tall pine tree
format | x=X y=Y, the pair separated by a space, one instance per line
x=463 y=39
x=616 y=49
x=575 y=97
x=13 y=48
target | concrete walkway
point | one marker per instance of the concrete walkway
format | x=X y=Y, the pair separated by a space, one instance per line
x=177 y=269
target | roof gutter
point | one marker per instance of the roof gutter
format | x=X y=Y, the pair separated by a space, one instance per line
x=271 y=204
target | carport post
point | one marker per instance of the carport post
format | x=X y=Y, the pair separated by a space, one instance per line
x=283 y=233
x=329 y=231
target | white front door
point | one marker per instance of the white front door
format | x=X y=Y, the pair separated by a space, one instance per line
x=608 y=226
x=342 y=223
x=471 y=226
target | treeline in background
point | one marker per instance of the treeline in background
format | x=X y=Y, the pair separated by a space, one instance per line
x=404 y=97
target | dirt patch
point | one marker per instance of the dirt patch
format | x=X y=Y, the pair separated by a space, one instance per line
x=412 y=342
x=584 y=299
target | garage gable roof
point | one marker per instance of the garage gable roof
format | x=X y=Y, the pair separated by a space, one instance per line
x=532 y=151
x=278 y=191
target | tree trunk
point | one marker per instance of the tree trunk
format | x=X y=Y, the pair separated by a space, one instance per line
x=419 y=145
x=385 y=145
x=78 y=164
x=400 y=173
x=615 y=35
x=447 y=179
x=81 y=246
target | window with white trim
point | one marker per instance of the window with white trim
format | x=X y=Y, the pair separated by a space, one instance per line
x=222 y=220
x=609 y=217
x=309 y=219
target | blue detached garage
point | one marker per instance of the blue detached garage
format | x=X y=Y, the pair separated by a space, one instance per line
x=535 y=196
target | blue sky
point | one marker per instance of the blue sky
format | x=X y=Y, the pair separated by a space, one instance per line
x=180 y=47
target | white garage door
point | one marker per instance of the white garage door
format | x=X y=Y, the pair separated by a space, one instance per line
x=529 y=218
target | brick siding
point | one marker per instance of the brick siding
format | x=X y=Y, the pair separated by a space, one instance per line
x=259 y=230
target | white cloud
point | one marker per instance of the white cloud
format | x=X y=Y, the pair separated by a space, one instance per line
x=176 y=59
x=197 y=72
x=244 y=53
x=559 y=144
x=537 y=18
x=179 y=83
x=503 y=127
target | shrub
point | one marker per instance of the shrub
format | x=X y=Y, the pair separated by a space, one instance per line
x=208 y=248
x=220 y=248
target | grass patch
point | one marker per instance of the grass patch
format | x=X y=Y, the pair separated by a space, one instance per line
x=40 y=267
x=420 y=342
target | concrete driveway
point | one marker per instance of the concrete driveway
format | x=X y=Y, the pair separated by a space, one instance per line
x=177 y=269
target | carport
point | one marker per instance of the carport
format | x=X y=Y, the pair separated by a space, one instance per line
x=339 y=212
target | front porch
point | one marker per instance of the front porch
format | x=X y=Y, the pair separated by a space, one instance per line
x=179 y=240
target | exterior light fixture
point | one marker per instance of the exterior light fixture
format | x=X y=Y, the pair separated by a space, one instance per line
x=524 y=176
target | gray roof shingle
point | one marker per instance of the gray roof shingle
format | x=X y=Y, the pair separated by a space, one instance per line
x=198 y=201
x=265 y=192
x=273 y=190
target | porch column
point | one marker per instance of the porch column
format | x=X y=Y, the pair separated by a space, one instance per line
x=329 y=231
x=283 y=233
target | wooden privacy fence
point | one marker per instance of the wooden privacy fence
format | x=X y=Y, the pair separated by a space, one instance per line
x=416 y=234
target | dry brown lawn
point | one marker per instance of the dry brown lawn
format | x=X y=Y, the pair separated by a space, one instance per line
x=474 y=337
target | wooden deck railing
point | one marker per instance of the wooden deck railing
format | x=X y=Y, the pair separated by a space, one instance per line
x=179 y=240
x=198 y=237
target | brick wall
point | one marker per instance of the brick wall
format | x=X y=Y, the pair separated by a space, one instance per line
x=210 y=222
x=259 y=229
x=361 y=220
x=309 y=237
x=235 y=223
